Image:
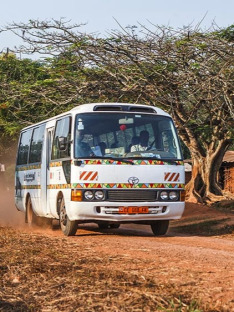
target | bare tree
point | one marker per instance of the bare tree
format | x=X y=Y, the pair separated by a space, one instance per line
x=187 y=72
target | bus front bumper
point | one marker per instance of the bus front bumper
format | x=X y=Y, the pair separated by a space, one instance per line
x=125 y=212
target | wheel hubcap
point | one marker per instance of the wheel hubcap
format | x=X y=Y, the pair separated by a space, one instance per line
x=63 y=216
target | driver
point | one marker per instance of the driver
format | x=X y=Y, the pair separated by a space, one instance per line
x=143 y=144
x=82 y=149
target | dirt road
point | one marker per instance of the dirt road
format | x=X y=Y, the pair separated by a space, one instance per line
x=126 y=269
x=199 y=266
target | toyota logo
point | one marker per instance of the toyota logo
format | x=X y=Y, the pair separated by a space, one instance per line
x=133 y=180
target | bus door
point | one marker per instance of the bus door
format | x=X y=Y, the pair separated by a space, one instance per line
x=46 y=167
x=58 y=169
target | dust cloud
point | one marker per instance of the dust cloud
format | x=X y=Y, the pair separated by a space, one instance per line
x=9 y=215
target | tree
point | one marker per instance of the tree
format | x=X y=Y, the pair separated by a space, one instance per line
x=25 y=97
x=187 y=72
x=31 y=91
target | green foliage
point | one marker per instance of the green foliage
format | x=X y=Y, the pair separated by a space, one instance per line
x=227 y=33
x=182 y=43
x=27 y=92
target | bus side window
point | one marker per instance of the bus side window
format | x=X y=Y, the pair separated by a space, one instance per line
x=25 y=139
x=63 y=129
x=36 y=144
x=49 y=142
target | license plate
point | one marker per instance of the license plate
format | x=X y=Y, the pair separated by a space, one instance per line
x=133 y=210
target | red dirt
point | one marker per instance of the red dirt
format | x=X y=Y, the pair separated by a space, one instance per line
x=200 y=266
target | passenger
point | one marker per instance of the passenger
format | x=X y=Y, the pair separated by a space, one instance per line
x=102 y=146
x=135 y=141
x=143 y=142
x=114 y=145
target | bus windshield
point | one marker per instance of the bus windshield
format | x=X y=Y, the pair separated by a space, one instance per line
x=125 y=135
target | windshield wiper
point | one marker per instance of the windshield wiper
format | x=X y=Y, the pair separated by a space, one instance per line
x=119 y=159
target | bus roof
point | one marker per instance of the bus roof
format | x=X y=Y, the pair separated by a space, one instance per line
x=107 y=107
x=121 y=107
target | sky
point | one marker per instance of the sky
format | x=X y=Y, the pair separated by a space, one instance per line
x=100 y=15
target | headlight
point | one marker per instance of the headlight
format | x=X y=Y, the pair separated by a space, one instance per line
x=164 y=195
x=173 y=195
x=99 y=195
x=88 y=195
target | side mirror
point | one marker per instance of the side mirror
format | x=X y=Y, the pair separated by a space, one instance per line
x=62 y=143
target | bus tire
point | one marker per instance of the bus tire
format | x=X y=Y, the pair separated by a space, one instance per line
x=68 y=227
x=160 y=227
x=114 y=225
x=103 y=225
x=106 y=225
x=30 y=216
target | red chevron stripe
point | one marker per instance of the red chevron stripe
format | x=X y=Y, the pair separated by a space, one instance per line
x=176 y=177
x=89 y=175
x=171 y=177
x=94 y=176
x=82 y=174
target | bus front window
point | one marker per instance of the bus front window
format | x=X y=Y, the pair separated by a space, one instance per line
x=125 y=135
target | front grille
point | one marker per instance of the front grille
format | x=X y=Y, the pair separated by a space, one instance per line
x=131 y=195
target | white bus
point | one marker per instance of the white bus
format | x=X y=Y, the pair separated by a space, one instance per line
x=103 y=163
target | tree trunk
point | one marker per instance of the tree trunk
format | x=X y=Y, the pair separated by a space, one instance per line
x=194 y=185
x=203 y=186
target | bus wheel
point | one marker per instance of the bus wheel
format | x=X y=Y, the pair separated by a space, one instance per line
x=68 y=227
x=103 y=225
x=160 y=227
x=30 y=216
x=106 y=225
x=114 y=225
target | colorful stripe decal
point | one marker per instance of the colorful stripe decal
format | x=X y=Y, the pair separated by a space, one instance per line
x=59 y=186
x=107 y=186
x=134 y=161
x=116 y=185
x=28 y=167
x=55 y=164
x=30 y=187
